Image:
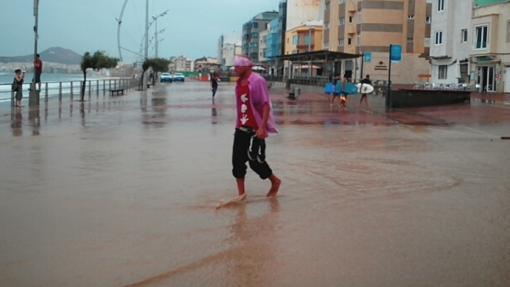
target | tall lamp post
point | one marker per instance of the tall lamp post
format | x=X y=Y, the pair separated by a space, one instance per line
x=34 y=93
x=156 y=32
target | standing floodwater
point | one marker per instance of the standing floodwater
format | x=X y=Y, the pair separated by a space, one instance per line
x=121 y=191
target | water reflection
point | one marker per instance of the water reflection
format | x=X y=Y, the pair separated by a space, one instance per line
x=34 y=119
x=16 y=121
x=256 y=255
x=214 y=115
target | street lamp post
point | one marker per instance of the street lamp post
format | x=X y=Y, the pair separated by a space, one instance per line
x=156 y=31
x=146 y=54
x=34 y=93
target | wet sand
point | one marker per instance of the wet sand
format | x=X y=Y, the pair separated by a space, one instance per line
x=122 y=192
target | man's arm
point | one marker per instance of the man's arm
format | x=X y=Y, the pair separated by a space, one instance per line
x=262 y=131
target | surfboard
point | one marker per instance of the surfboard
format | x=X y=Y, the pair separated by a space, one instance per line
x=351 y=89
x=365 y=88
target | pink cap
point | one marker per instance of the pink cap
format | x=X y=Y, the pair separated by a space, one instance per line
x=242 y=61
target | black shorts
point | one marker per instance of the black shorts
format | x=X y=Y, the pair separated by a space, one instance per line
x=243 y=142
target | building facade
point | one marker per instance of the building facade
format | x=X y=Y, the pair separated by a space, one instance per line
x=276 y=40
x=300 y=12
x=490 y=52
x=182 y=64
x=367 y=26
x=229 y=45
x=304 y=38
x=450 y=44
x=251 y=33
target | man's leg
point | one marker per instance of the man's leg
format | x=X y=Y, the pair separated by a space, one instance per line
x=239 y=158
x=260 y=166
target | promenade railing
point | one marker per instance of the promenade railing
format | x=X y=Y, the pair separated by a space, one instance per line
x=70 y=89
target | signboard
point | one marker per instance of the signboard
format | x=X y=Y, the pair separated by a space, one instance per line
x=395 y=53
x=367 y=57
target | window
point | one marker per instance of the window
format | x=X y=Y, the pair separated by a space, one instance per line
x=439 y=38
x=481 y=36
x=508 y=32
x=428 y=19
x=440 y=5
x=295 y=40
x=443 y=72
x=463 y=35
x=349 y=41
x=342 y=21
x=255 y=25
x=350 y=19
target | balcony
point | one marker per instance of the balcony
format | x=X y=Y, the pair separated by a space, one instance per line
x=350 y=28
x=351 y=6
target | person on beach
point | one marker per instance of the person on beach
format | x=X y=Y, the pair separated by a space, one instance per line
x=17 y=86
x=214 y=84
x=364 y=97
x=38 y=66
x=254 y=121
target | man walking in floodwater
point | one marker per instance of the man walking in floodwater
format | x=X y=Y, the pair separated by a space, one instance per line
x=254 y=121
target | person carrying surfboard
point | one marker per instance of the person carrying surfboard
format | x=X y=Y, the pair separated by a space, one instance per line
x=254 y=120
x=364 y=97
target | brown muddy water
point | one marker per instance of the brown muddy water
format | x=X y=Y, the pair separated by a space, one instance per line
x=122 y=192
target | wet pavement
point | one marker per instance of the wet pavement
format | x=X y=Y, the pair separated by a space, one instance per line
x=122 y=192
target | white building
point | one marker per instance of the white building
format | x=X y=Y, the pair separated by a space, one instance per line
x=301 y=11
x=490 y=51
x=182 y=64
x=450 y=41
x=229 y=45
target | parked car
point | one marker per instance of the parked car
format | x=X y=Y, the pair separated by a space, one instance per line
x=178 y=77
x=165 y=78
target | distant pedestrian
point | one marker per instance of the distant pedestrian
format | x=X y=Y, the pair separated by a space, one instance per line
x=254 y=122
x=17 y=86
x=38 y=66
x=337 y=90
x=343 y=97
x=214 y=84
x=364 y=97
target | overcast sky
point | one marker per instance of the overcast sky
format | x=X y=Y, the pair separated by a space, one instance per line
x=192 y=26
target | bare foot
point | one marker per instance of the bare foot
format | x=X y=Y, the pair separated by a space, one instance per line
x=275 y=186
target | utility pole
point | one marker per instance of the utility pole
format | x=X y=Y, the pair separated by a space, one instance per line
x=146 y=54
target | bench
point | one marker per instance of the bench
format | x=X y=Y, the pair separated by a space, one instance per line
x=119 y=91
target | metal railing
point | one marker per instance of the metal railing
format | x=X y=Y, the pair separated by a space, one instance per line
x=70 y=89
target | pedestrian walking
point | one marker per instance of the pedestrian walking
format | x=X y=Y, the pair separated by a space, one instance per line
x=214 y=84
x=253 y=123
x=17 y=86
x=38 y=66
x=364 y=97
x=343 y=98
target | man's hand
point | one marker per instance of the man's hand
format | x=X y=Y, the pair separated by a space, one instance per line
x=261 y=133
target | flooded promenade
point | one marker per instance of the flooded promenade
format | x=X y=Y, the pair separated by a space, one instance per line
x=121 y=191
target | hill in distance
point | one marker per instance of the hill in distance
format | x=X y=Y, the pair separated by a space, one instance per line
x=54 y=55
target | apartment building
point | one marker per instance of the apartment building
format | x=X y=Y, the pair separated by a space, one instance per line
x=229 y=45
x=490 y=52
x=251 y=33
x=370 y=26
x=450 y=44
x=305 y=38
